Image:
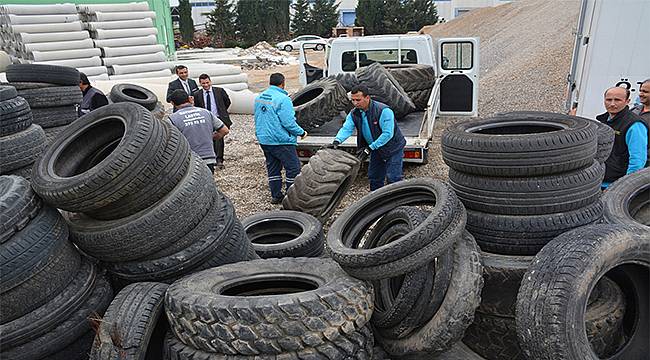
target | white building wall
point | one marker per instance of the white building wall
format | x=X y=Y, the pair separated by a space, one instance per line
x=449 y=9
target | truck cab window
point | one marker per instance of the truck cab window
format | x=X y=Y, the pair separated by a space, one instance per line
x=367 y=57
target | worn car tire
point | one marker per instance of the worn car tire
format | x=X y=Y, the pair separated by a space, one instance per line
x=134 y=324
x=516 y=146
x=151 y=230
x=52 y=133
x=51 y=74
x=322 y=183
x=529 y=195
x=413 y=77
x=284 y=233
x=53 y=117
x=554 y=291
x=241 y=315
x=347 y=79
x=448 y=324
x=7 y=92
x=135 y=94
x=52 y=96
x=18 y=205
x=605 y=142
x=626 y=202
x=384 y=88
x=21 y=149
x=102 y=157
x=526 y=234
x=357 y=345
x=319 y=102
x=431 y=238
x=502 y=276
x=15 y=115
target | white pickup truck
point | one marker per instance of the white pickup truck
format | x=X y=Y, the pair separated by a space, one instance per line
x=455 y=91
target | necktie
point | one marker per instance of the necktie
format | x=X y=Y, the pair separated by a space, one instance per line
x=186 y=86
x=208 y=102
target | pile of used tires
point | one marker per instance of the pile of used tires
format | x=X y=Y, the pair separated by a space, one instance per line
x=405 y=88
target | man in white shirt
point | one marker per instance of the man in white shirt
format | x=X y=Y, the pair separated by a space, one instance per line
x=182 y=83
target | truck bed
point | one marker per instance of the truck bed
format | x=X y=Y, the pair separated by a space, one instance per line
x=409 y=125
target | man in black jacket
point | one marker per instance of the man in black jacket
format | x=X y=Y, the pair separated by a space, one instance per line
x=215 y=100
x=183 y=82
x=92 y=98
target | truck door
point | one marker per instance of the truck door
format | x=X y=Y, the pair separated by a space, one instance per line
x=458 y=69
x=308 y=72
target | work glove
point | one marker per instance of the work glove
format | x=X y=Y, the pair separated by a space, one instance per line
x=334 y=145
x=363 y=154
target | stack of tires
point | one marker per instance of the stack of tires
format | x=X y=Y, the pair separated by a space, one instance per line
x=424 y=266
x=137 y=199
x=52 y=93
x=417 y=80
x=270 y=308
x=48 y=290
x=524 y=178
x=320 y=102
x=21 y=141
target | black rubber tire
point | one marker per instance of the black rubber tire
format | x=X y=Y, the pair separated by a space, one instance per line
x=135 y=94
x=319 y=102
x=78 y=350
x=526 y=145
x=384 y=88
x=67 y=332
x=553 y=295
x=15 y=116
x=58 y=308
x=284 y=233
x=51 y=74
x=626 y=202
x=430 y=239
x=448 y=324
x=420 y=98
x=526 y=235
x=53 y=117
x=27 y=85
x=459 y=351
x=347 y=79
x=80 y=173
x=7 y=92
x=604 y=319
x=134 y=324
x=322 y=183
x=151 y=230
x=605 y=142
x=52 y=96
x=529 y=195
x=493 y=337
x=357 y=345
x=18 y=205
x=502 y=275
x=24 y=172
x=28 y=251
x=52 y=133
x=234 y=309
x=21 y=149
x=413 y=77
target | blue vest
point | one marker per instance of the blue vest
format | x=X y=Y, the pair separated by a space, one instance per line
x=393 y=145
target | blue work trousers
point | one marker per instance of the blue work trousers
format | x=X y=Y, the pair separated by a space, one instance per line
x=278 y=157
x=381 y=169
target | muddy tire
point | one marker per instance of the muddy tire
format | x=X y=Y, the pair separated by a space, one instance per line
x=521 y=146
x=556 y=287
x=134 y=324
x=384 y=88
x=237 y=317
x=52 y=96
x=627 y=201
x=53 y=117
x=18 y=205
x=529 y=195
x=21 y=149
x=319 y=102
x=322 y=183
x=346 y=79
x=284 y=233
x=51 y=74
x=413 y=77
x=135 y=94
x=420 y=98
x=15 y=115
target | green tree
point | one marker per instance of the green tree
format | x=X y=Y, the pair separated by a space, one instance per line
x=393 y=16
x=221 y=23
x=370 y=16
x=420 y=13
x=323 y=17
x=248 y=22
x=300 y=24
x=185 y=22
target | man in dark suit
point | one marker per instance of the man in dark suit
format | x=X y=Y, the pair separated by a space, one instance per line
x=215 y=100
x=183 y=82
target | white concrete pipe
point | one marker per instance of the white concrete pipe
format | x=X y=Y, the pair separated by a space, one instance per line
x=47 y=28
x=122 y=42
x=211 y=69
x=150 y=74
x=58 y=45
x=39 y=9
x=75 y=63
x=125 y=24
x=94 y=70
x=131 y=50
x=41 y=19
x=115 y=16
x=127 y=7
x=140 y=68
x=123 y=33
x=51 y=37
x=135 y=59
x=65 y=54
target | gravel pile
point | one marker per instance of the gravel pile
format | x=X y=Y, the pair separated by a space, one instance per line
x=526 y=51
x=267 y=55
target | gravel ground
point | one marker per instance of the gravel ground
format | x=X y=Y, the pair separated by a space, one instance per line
x=525 y=56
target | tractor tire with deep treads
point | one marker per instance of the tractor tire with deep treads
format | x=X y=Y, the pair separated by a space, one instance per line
x=384 y=88
x=322 y=183
x=319 y=102
x=554 y=292
x=135 y=94
x=347 y=79
x=284 y=233
x=18 y=205
x=133 y=326
x=235 y=310
x=413 y=77
x=51 y=74
x=526 y=145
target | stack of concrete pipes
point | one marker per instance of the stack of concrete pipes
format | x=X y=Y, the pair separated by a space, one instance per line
x=126 y=37
x=48 y=34
x=222 y=75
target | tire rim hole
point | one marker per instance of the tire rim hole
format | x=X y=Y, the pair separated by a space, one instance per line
x=516 y=128
x=307 y=96
x=269 y=286
x=136 y=94
x=639 y=206
x=273 y=232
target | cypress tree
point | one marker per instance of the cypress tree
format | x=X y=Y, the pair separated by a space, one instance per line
x=324 y=16
x=300 y=23
x=369 y=15
x=420 y=13
x=185 y=22
x=221 y=23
